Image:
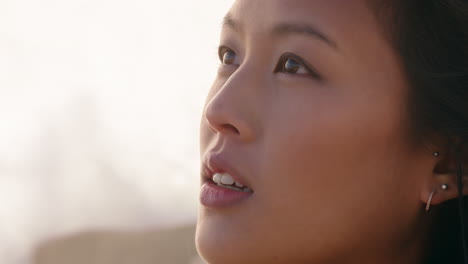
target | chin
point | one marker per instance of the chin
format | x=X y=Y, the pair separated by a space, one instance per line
x=219 y=244
x=214 y=252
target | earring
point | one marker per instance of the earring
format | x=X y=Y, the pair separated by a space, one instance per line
x=436 y=154
x=428 y=205
x=444 y=187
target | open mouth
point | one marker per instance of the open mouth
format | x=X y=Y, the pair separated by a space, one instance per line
x=225 y=180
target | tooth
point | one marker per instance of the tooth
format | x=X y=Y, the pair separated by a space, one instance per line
x=247 y=190
x=227 y=179
x=230 y=187
x=217 y=177
x=239 y=185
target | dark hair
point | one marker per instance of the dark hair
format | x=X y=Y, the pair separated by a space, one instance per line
x=431 y=37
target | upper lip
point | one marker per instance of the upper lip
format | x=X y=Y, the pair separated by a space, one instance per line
x=217 y=163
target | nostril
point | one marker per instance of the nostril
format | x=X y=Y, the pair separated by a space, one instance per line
x=230 y=127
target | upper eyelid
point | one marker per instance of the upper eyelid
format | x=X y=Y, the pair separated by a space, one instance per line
x=221 y=52
x=221 y=49
x=309 y=67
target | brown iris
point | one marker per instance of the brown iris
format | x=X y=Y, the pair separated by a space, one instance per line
x=291 y=66
x=229 y=57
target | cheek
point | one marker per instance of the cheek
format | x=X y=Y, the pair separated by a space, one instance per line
x=323 y=163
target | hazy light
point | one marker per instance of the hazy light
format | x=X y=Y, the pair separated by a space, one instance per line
x=99 y=106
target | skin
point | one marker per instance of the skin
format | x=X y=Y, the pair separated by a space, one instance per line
x=336 y=178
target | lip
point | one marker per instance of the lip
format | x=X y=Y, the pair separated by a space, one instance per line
x=217 y=163
x=214 y=196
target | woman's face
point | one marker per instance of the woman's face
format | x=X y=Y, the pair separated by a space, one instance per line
x=309 y=111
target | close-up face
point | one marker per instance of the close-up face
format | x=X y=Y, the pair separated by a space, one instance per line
x=309 y=112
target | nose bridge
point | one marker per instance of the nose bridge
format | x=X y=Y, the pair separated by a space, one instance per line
x=233 y=108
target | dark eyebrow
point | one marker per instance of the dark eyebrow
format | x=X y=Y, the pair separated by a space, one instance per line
x=230 y=22
x=303 y=29
x=286 y=29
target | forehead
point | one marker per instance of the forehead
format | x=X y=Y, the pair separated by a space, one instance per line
x=345 y=9
x=340 y=19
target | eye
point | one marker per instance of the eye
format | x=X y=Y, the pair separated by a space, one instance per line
x=292 y=64
x=227 y=56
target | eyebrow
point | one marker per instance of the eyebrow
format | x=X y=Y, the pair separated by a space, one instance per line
x=302 y=29
x=230 y=22
x=286 y=29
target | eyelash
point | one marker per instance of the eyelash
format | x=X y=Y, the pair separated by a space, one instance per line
x=282 y=60
x=221 y=51
x=285 y=57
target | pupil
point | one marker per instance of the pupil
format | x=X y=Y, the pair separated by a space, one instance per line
x=291 y=66
x=228 y=57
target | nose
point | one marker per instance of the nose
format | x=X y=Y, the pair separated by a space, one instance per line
x=231 y=109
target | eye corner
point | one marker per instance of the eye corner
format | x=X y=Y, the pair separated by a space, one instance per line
x=221 y=50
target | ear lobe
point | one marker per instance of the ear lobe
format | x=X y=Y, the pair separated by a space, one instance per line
x=442 y=189
x=443 y=184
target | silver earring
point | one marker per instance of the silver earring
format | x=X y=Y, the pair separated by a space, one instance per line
x=428 y=205
x=444 y=187
x=436 y=154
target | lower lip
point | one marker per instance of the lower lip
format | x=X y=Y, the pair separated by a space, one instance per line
x=214 y=196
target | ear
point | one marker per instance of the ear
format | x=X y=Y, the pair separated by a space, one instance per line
x=443 y=183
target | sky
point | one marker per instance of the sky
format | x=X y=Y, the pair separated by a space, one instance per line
x=100 y=103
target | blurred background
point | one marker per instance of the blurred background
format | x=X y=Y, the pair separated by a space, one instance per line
x=100 y=102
